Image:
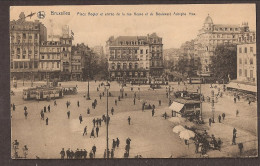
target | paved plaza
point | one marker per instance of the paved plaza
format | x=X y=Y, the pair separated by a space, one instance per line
x=152 y=137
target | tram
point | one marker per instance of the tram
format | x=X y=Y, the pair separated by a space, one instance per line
x=69 y=90
x=29 y=94
x=49 y=93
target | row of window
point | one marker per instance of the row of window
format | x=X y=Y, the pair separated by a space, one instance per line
x=251 y=61
x=245 y=74
x=241 y=50
x=50 y=65
x=23 y=65
x=50 y=56
x=24 y=36
x=223 y=29
x=25 y=27
x=76 y=67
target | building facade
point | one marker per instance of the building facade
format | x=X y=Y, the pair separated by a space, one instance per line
x=246 y=58
x=135 y=56
x=211 y=35
x=25 y=39
x=50 y=60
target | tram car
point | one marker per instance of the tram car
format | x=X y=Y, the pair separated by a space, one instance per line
x=69 y=90
x=29 y=94
x=49 y=93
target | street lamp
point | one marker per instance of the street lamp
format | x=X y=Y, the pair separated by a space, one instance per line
x=88 y=97
x=200 y=99
x=107 y=86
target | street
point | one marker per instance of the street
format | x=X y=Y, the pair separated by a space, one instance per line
x=152 y=137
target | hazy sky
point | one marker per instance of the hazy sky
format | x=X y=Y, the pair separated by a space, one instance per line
x=175 y=30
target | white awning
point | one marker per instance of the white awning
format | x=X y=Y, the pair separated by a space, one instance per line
x=175 y=106
x=241 y=86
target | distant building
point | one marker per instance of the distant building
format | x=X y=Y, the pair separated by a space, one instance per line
x=25 y=39
x=211 y=35
x=99 y=52
x=135 y=56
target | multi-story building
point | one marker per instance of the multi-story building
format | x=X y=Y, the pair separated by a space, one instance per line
x=66 y=44
x=77 y=61
x=135 y=56
x=211 y=35
x=246 y=58
x=25 y=39
x=50 y=60
x=246 y=64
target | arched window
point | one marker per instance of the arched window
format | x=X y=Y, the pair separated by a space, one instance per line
x=130 y=65
x=124 y=66
x=118 y=66
x=136 y=65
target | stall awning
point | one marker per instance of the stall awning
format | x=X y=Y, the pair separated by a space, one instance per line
x=175 y=106
x=241 y=86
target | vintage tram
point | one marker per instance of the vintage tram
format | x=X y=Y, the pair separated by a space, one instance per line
x=49 y=93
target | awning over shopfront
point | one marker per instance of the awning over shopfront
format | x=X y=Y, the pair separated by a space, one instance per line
x=175 y=106
x=242 y=86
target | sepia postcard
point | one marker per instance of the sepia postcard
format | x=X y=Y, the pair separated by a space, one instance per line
x=133 y=81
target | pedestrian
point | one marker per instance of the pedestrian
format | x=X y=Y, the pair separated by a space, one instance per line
x=25 y=114
x=108 y=119
x=62 y=153
x=99 y=121
x=100 y=96
x=118 y=98
x=13 y=107
x=240 y=146
x=235 y=99
x=94 y=148
x=78 y=103
x=42 y=115
x=223 y=116
x=152 y=112
x=105 y=154
x=91 y=154
x=103 y=93
x=112 y=111
x=72 y=154
x=80 y=118
x=117 y=142
x=68 y=113
x=115 y=102
x=68 y=153
x=160 y=102
x=219 y=118
x=234 y=139
x=97 y=130
x=92 y=133
x=94 y=122
x=47 y=121
x=165 y=115
x=143 y=107
x=129 y=119
x=134 y=101
x=113 y=144
x=210 y=121
x=85 y=130
x=85 y=153
x=44 y=109
x=55 y=103
x=25 y=108
x=88 y=111
x=108 y=153
x=234 y=131
x=112 y=153
x=49 y=108
x=237 y=112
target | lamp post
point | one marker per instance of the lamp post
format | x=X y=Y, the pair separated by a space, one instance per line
x=31 y=79
x=200 y=99
x=88 y=97
x=107 y=86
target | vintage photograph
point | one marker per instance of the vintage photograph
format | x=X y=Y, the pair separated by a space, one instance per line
x=133 y=81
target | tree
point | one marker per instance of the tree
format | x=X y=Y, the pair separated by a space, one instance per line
x=224 y=62
x=182 y=64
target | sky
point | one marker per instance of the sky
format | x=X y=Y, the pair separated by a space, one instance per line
x=174 y=29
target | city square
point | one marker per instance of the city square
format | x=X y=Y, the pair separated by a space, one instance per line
x=151 y=136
